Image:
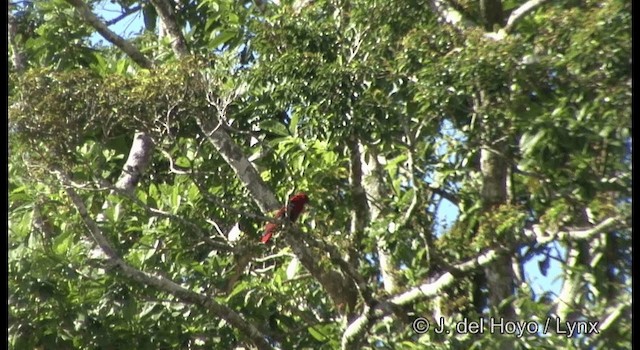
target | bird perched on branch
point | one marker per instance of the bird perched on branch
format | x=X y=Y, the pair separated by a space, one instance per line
x=291 y=212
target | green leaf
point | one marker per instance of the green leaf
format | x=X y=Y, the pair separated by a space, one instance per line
x=183 y=162
x=21 y=228
x=154 y=192
x=293 y=124
x=316 y=333
x=176 y=199
x=149 y=308
x=392 y=165
x=237 y=289
x=233 y=19
x=117 y=210
x=62 y=242
x=528 y=141
x=122 y=66
x=275 y=127
x=221 y=39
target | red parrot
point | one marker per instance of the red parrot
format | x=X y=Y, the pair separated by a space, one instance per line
x=291 y=212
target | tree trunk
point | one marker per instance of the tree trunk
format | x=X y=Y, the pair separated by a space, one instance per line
x=376 y=193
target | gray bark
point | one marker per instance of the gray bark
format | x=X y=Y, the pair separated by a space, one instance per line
x=171 y=27
x=17 y=54
x=373 y=185
x=500 y=277
x=360 y=207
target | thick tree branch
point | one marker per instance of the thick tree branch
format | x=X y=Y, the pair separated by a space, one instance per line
x=139 y=157
x=520 y=12
x=338 y=288
x=160 y=283
x=346 y=267
x=500 y=278
x=85 y=12
x=376 y=193
x=446 y=195
x=357 y=328
x=233 y=155
x=429 y=290
x=360 y=208
x=568 y=234
x=360 y=325
x=332 y=281
x=165 y=12
x=416 y=190
x=137 y=162
x=17 y=55
x=611 y=319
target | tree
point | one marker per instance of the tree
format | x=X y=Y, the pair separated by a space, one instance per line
x=143 y=171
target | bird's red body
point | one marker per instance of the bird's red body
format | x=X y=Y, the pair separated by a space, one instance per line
x=291 y=212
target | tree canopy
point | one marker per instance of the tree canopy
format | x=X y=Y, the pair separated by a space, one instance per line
x=143 y=169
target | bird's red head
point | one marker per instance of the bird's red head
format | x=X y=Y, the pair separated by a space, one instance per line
x=300 y=197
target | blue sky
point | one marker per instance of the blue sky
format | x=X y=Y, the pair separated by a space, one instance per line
x=127 y=27
x=446 y=213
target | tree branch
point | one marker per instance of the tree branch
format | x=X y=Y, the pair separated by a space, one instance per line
x=85 y=12
x=337 y=287
x=124 y=15
x=360 y=208
x=425 y=291
x=376 y=193
x=357 y=328
x=520 y=12
x=137 y=162
x=587 y=233
x=446 y=195
x=611 y=319
x=160 y=283
x=416 y=188
x=17 y=55
x=165 y=12
x=233 y=155
x=429 y=290
x=544 y=237
x=347 y=268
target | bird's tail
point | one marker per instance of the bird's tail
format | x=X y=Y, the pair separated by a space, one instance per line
x=268 y=232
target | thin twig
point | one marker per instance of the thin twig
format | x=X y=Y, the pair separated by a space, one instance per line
x=124 y=14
